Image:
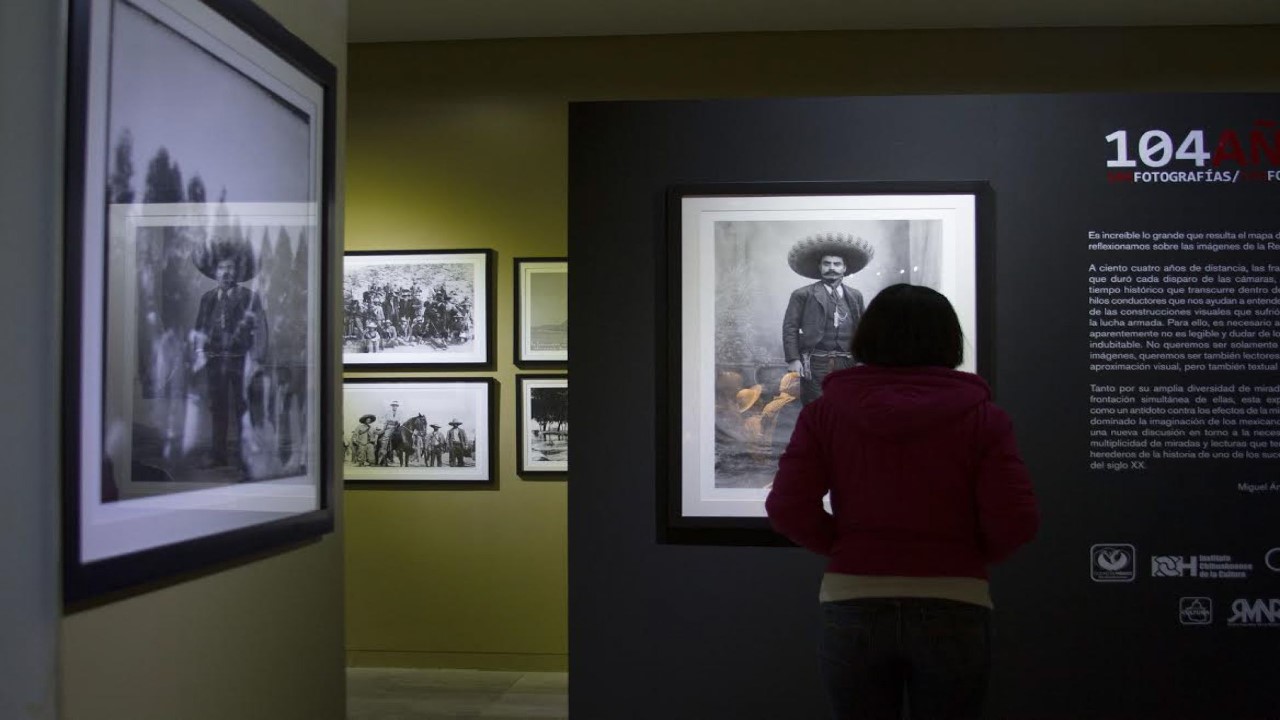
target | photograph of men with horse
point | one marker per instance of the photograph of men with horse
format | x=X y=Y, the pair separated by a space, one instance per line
x=396 y=430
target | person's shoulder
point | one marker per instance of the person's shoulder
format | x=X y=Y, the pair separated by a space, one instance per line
x=995 y=421
x=805 y=289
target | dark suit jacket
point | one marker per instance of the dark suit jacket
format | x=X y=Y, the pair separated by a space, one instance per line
x=806 y=320
x=233 y=334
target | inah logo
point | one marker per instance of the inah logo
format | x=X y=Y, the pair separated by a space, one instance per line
x=1112 y=562
x=1195 y=611
x=1255 y=612
x=1172 y=566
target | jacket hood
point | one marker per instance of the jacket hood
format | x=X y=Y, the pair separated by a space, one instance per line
x=892 y=401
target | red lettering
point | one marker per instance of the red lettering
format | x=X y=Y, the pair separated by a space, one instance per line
x=1229 y=148
x=1258 y=146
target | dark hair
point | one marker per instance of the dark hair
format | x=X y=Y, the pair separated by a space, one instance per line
x=908 y=325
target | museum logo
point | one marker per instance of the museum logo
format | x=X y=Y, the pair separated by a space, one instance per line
x=1273 y=559
x=1205 y=567
x=1172 y=566
x=1112 y=562
x=1256 y=612
x=1195 y=611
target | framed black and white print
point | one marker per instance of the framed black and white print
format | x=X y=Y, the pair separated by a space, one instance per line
x=542 y=312
x=418 y=309
x=199 y=225
x=765 y=287
x=542 y=424
x=410 y=432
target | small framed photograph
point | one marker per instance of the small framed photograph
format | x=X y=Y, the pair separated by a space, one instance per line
x=542 y=312
x=407 y=432
x=542 y=424
x=199 y=235
x=418 y=309
x=766 y=284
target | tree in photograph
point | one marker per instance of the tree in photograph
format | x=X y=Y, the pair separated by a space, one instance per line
x=735 y=338
x=120 y=182
x=162 y=255
x=549 y=405
x=195 y=190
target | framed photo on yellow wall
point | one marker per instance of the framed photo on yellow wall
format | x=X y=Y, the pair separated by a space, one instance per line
x=541 y=312
x=423 y=309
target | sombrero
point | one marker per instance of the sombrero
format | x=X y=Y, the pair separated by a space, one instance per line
x=790 y=384
x=806 y=255
x=366 y=419
x=208 y=253
x=455 y=421
x=437 y=427
x=747 y=397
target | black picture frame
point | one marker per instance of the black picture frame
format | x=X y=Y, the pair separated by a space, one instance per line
x=541 y=452
x=474 y=399
x=683 y=474
x=437 y=341
x=527 y=331
x=109 y=547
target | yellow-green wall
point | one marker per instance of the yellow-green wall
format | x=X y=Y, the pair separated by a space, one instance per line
x=262 y=640
x=464 y=145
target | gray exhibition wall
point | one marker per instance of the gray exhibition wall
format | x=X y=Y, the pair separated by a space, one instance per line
x=715 y=631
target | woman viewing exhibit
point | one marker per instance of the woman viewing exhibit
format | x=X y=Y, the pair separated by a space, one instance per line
x=927 y=490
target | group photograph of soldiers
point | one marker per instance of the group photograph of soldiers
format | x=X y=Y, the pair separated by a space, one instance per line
x=405 y=431
x=409 y=308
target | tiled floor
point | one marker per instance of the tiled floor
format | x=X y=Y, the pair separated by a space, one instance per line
x=407 y=694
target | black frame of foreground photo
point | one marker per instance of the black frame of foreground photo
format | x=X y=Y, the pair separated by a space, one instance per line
x=113 y=545
x=955 y=225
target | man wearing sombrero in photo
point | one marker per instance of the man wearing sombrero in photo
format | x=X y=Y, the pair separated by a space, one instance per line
x=457 y=441
x=822 y=317
x=229 y=325
x=362 y=441
x=435 y=447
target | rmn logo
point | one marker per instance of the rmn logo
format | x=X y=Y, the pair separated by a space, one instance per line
x=1255 y=612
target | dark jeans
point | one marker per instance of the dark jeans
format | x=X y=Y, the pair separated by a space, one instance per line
x=819 y=368
x=935 y=653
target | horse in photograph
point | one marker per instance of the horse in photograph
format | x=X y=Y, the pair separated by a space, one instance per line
x=406 y=440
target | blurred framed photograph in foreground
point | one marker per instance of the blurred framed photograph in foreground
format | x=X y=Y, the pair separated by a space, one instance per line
x=765 y=287
x=199 y=226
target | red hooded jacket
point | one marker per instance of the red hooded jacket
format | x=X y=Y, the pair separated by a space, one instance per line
x=923 y=471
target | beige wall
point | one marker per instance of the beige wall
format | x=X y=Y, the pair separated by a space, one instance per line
x=464 y=145
x=263 y=639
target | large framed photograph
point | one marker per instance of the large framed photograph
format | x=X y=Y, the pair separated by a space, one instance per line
x=766 y=284
x=542 y=312
x=542 y=424
x=199 y=225
x=414 y=432
x=418 y=309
